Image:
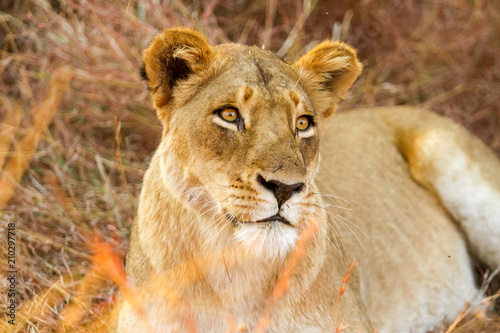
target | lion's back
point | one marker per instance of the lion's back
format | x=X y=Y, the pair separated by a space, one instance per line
x=397 y=230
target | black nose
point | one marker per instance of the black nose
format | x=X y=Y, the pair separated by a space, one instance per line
x=281 y=191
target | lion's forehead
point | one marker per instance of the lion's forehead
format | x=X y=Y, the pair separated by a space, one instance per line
x=259 y=77
x=258 y=66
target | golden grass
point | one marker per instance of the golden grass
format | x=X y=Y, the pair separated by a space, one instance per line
x=23 y=153
x=9 y=128
x=77 y=127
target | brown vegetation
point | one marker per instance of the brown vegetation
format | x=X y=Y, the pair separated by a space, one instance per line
x=77 y=126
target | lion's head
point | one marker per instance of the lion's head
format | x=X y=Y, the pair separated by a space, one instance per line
x=241 y=135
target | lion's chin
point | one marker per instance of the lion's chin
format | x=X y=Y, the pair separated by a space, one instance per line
x=270 y=240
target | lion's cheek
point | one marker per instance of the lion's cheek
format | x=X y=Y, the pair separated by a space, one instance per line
x=309 y=149
x=178 y=172
x=217 y=150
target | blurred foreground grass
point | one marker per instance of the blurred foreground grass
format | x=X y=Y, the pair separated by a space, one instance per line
x=77 y=129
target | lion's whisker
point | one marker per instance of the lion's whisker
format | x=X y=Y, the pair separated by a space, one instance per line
x=216 y=187
x=332 y=196
x=193 y=222
x=326 y=206
x=351 y=222
x=340 y=219
x=322 y=228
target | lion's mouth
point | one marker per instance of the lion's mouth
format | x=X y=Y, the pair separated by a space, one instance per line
x=274 y=218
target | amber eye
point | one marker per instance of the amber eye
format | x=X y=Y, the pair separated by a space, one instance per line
x=303 y=123
x=229 y=115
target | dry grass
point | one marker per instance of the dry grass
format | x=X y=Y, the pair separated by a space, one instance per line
x=77 y=127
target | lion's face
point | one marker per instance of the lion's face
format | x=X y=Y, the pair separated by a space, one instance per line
x=241 y=138
x=245 y=154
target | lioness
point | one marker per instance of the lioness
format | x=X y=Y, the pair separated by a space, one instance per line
x=242 y=224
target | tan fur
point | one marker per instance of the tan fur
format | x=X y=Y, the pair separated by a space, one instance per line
x=197 y=256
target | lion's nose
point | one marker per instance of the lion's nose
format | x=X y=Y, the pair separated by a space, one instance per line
x=281 y=191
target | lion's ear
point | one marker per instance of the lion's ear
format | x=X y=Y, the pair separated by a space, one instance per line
x=172 y=56
x=333 y=67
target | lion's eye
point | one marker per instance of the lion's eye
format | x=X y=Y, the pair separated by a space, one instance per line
x=303 y=123
x=229 y=115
